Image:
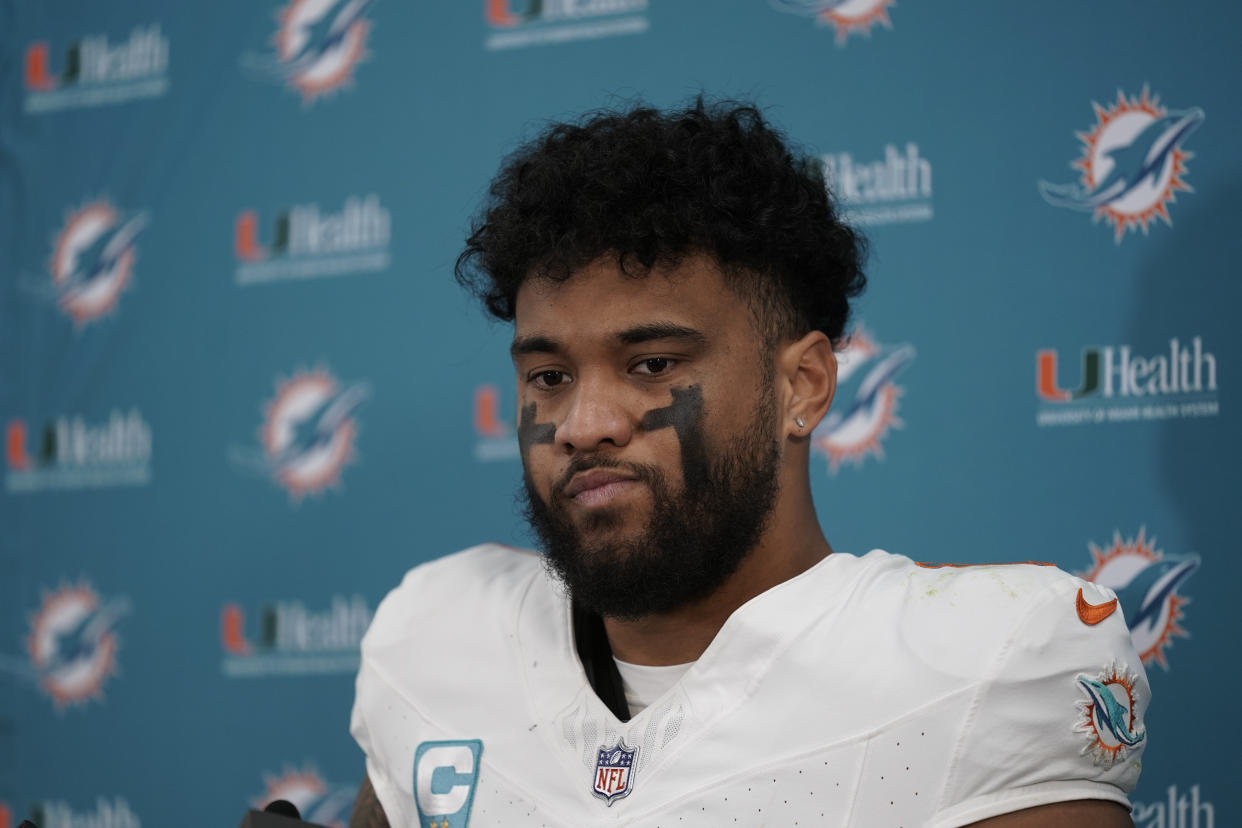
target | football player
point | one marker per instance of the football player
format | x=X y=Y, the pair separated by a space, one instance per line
x=688 y=649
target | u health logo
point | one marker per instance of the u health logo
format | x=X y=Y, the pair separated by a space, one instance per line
x=495 y=435
x=307 y=241
x=318 y=45
x=516 y=24
x=866 y=403
x=71 y=452
x=1118 y=384
x=1132 y=165
x=847 y=17
x=1177 y=808
x=291 y=639
x=95 y=71
x=108 y=812
x=895 y=190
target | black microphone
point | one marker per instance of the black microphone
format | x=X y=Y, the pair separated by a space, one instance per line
x=279 y=813
x=283 y=807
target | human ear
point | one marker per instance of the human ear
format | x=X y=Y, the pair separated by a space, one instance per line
x=808 y=376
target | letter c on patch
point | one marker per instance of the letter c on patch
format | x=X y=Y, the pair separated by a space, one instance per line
x=444 y=777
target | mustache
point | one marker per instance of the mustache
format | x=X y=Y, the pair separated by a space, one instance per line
x=585 y=462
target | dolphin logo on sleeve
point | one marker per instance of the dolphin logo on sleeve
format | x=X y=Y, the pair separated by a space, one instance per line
x=1109 y=719
x=1109 y=713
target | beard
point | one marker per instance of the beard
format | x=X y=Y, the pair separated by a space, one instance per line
x=693 y=540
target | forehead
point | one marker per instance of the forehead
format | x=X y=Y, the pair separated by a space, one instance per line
x=600 y=298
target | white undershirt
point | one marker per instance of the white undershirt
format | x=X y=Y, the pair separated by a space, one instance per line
x=644 y=684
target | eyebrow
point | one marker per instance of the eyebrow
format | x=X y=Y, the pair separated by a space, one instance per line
x=660 y=330
x=636 y=335
x=534 y=345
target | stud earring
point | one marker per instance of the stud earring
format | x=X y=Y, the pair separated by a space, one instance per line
x=798 y=422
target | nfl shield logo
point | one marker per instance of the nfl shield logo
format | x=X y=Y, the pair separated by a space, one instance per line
x=614 y=772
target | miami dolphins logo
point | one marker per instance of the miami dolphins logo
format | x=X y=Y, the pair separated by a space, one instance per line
x=1132 y=164
x=1146 y=582
x=93 y=259
x=319 y=44
x=315 y=800
x=865 y=408
x=846 y=16
x=1109 y=718
x=73 y=643
x=309 y=431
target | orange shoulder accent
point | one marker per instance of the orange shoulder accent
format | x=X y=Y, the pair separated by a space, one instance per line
x=1002 y=563
x=1092 y=614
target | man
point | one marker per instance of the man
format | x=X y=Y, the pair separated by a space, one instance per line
x=689 y=650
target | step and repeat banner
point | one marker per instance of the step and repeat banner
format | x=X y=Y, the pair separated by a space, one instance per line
x=241 y=393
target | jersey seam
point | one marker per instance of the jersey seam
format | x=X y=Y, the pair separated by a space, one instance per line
x=384 y=781
x=862 y=764
x=749 y=689
x=1002 y=655
x=865 y=738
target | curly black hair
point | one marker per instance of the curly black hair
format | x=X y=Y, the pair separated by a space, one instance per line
x=652 y=187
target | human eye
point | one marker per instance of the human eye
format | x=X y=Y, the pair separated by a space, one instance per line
x=653 y=366
x=548 y=379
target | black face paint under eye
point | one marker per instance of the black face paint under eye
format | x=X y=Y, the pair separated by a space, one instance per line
x=530 y=433
x=685 y=417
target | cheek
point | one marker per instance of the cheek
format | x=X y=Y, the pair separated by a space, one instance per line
x=539 y=475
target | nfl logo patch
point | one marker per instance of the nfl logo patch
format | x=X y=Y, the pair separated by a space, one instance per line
x=614 y=772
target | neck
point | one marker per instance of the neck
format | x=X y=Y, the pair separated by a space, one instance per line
x=788 y=548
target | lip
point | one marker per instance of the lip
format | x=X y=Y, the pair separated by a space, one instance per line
x=589 y=484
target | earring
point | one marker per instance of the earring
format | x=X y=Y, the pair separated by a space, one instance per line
x=798 y=422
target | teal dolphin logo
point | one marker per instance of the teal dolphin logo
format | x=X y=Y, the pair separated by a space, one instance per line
x=1110 y=720
x=1147 y=583
x=318 y=46
x=1132 y=163
x=1143 y=599
x=308 y=433
x=811 y=8
x=1109 y=714
x=846 y=16
x=72 y=644
x=865 y=404
x=93 y=259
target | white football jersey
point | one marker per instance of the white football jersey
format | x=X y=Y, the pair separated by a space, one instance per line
x=867 y=691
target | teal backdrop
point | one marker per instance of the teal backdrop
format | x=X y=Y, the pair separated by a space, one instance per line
x=241 y=392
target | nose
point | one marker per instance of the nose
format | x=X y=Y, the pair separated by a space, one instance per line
x=596 y=416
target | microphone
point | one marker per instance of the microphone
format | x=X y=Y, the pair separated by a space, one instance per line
x=279 y=813
x=283 y=807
